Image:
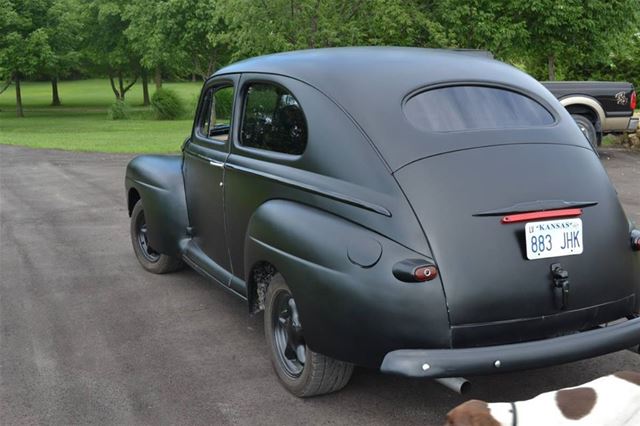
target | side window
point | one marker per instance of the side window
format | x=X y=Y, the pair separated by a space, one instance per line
x=273 y=120
x=215 y=116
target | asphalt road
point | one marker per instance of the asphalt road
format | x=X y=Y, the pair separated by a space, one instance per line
x=87 y=336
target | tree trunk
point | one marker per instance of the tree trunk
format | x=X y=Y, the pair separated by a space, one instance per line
x=145 y=88
x=19 y=111
x=126 y=88
x=552 y=67
x=55 y=98
x=158 y=78
x=314 y=26
x=121 y=85
x=6 y=85
x=113 y=87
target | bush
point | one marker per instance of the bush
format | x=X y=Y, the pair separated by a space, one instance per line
x=118 y=111
x=167 y=105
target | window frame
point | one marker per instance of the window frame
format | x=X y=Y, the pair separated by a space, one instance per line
x=214 y=85
x=242 y=103
x=485 y=84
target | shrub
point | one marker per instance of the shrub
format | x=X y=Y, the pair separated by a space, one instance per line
x=118 y=111
x=167 y=105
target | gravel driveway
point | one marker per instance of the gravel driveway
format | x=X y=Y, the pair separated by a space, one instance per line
x=87 y=336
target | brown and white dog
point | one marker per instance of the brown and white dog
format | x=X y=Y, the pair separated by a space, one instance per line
x=611 y=400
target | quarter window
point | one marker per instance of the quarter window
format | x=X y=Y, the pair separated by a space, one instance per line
x=456 y=108
x=215 y=116
x=273 y=120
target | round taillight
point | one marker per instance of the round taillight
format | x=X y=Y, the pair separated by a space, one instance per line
x=425 y=273
x=635 y=240
x=632 y=104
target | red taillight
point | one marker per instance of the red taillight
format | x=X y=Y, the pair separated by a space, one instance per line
x=415 y=270
x=547 y=214
x=632 y=104
x=425 y=273
x=635 y=240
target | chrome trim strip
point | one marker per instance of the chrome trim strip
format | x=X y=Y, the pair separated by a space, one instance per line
x=211 y=161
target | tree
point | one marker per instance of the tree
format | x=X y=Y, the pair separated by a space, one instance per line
x=64 y=30
x=264 y=27
x=622 y=64
x=147 y=37
x=24 y=47
x=198 y=30
x=563 y=32
x=107 y=46
x=8 y=16
x=476 y=24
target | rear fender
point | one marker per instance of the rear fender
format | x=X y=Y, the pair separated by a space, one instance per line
x=351 y=306
x=158 y=181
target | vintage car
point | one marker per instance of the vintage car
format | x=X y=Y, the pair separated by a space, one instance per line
x=428 y=213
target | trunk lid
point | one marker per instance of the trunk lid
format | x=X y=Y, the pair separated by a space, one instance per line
x=489 y=283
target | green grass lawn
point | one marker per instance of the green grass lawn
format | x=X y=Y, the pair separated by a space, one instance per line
x=81 y=123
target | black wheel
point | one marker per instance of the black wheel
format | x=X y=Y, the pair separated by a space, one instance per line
x=588 y=129
x=302 y=371
x=150 y=259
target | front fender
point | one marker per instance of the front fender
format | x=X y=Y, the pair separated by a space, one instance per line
x=158 y=181
x=351 y=306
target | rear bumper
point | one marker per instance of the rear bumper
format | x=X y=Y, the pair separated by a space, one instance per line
x=518 y=356
x=620 y=124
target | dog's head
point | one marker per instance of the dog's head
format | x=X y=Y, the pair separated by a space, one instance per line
x=471 y=413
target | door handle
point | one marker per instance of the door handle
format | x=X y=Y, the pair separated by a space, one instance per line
x=215 y=163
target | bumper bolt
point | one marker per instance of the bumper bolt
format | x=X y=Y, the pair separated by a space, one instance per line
x=425 y=367
x=497 y=364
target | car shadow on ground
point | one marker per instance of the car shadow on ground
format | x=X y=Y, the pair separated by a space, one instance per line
x=371 y=394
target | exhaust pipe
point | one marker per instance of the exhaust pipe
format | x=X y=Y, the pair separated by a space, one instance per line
x=457 y=384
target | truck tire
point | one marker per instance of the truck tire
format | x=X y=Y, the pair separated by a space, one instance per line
x=150 y=260
x=588 y=129
x=303 y=372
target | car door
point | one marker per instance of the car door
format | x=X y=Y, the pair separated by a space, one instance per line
x=270 y=138
x=204 y=158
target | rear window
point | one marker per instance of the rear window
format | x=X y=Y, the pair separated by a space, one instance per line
x=456 y=108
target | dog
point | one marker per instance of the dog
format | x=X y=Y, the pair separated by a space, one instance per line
x=612 y=400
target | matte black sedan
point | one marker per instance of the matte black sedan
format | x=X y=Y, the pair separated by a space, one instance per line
x=427 y=213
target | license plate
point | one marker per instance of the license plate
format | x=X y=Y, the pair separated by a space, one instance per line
x=553 y=238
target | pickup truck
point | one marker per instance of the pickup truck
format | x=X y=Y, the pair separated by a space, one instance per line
x=598 y=107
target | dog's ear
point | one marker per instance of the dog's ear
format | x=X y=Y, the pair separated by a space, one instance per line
x=471 y=413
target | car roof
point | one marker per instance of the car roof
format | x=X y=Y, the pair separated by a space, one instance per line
x=371 y=84
x=316 y=65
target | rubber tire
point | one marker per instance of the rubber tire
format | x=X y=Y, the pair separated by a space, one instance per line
x=591 y=132
x=321 y=374
x=164 y=264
